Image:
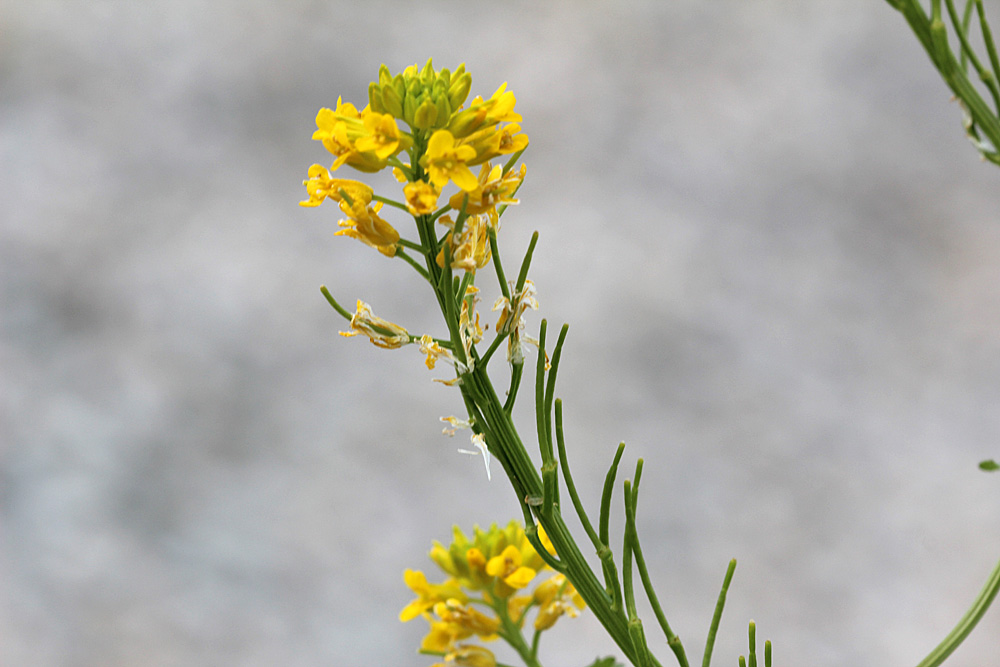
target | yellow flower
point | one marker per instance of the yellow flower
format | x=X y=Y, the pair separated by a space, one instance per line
x=511 y=141
x=469 y=655
x=383 y=136
x=331 y=127
x=494 y=189
x=467 y=620
x=493 y=141
x=507 y=566
x=456 y=621
x=553 y=597
x=381 y=332
x=364 y=224
x=442 y=637
x=421 y=197
x=498 y=109
x=339 y=129
x=428 y=594
x=486 y=143
x=445 y=161
x=320 y=185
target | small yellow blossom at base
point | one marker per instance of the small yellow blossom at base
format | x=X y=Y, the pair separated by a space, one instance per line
x=489 y=569
x=468 y=655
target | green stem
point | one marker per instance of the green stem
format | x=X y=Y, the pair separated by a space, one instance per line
x=581 y=512
x=412 y=246
x=550 y=386
x=511 y=633
x=495 y=251
x=930 y=35
x=717 y=616
x=333 y=302
x=391 y=202
x=673 y=641
x=523 y=275
x=988 y=40
x=409 y=260
x=984 y=74
x=968 y=622
x=527 y=483
x=516 y=371
x=612 y=584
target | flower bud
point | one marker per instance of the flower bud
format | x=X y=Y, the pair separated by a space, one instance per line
x=375 y=98
x=391 y=102
x=425 y=115
x=399 y=85
x=459 y=89
x=410 y=109
x=465 y=122
x=384 y=75
x=443 y=111
x=439 y=87
x=427 y=73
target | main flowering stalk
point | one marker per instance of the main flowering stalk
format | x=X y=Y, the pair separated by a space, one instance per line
x=447 y=142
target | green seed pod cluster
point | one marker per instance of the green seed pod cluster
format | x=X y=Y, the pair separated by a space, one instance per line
x=423 y=98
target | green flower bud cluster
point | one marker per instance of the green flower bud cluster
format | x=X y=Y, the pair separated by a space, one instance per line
x=423 y=98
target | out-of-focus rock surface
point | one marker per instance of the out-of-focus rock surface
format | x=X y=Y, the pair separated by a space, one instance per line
x=778 y=255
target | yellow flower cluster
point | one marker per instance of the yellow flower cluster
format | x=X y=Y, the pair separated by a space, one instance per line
x=491 y=570
x=444 y=140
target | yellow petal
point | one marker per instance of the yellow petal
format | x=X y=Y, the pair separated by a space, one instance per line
x=464 y=178
x=520 y=578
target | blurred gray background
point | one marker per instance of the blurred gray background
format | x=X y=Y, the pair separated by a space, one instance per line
x=778 y=254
